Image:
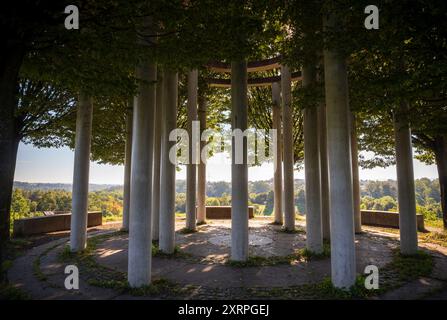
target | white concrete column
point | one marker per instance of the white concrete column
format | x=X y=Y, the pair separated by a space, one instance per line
x=405 y=182
x=127 y=166
x=355 y=176
x=140 y=224
x=167 y=201
x=157 y=158
x=314 y=235
x=201 y=174
x=343 y=270
x=288 y=161
x=191 y=167
x=239 y=172
x=277 y=157
x=325 y=217
x=78 y=225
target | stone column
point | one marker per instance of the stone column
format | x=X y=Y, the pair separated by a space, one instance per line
x=277 y=157
x=78 y=226
x=340 y=171
x=127 y=166
x=405 y=182
x=288 y=161
x=355 y=176
x=140 y=225
x=239 y=172
x=157 y=158
x=191 y=167
x=325 y=217
x=167 y=201
x=201 y=174
x=314 y=236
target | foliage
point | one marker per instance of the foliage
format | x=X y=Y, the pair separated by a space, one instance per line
x=10 y=292
x=382 y=195
x=376 y=195
x=32 y=203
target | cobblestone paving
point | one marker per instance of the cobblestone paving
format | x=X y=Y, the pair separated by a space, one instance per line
x=203 y=264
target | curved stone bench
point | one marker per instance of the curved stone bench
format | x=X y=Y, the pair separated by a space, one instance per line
x=51 y=223
x=387 y=219
x=224 y=212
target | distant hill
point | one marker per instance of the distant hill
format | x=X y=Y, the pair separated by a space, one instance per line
x=62 y=186
x=374 y=189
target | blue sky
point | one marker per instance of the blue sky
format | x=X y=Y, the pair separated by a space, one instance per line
x=56 y=166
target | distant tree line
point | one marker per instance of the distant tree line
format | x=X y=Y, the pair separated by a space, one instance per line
x=376 y=195
x=32 y=203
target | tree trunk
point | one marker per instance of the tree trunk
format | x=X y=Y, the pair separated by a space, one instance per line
x=10 y=61
x=441 y=162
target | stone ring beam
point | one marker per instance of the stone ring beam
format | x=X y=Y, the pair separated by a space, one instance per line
x=254 y=82
x=254 y=66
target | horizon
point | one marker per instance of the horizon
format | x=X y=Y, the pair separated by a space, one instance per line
x=55 y=165
x=217 y=181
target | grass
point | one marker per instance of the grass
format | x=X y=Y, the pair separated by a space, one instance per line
x=298 y=229
x=9 y=292
x=436 y=237
x=302 y=255
x=158 y=287
x=178 y=253
x=410 y=267
x=310 y=255
x=17 y=246
x=400 y=270
x=439 y=238
x=14 y=249
x=258 y=261
x=434 y=223
x=187 y=231
x=112 y=218
x=104 y=277
x=321 y=290
x=37 y=271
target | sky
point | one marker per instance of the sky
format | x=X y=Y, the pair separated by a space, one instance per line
x=56 y=166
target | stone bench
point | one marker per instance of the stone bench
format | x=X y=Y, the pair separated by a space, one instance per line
x=387 y=219
x=51 y=223
x=224 y=212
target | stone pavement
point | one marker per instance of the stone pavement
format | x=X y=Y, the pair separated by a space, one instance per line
x=203 y=264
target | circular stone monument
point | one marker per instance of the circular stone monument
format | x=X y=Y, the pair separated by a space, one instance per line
x=253 y=239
